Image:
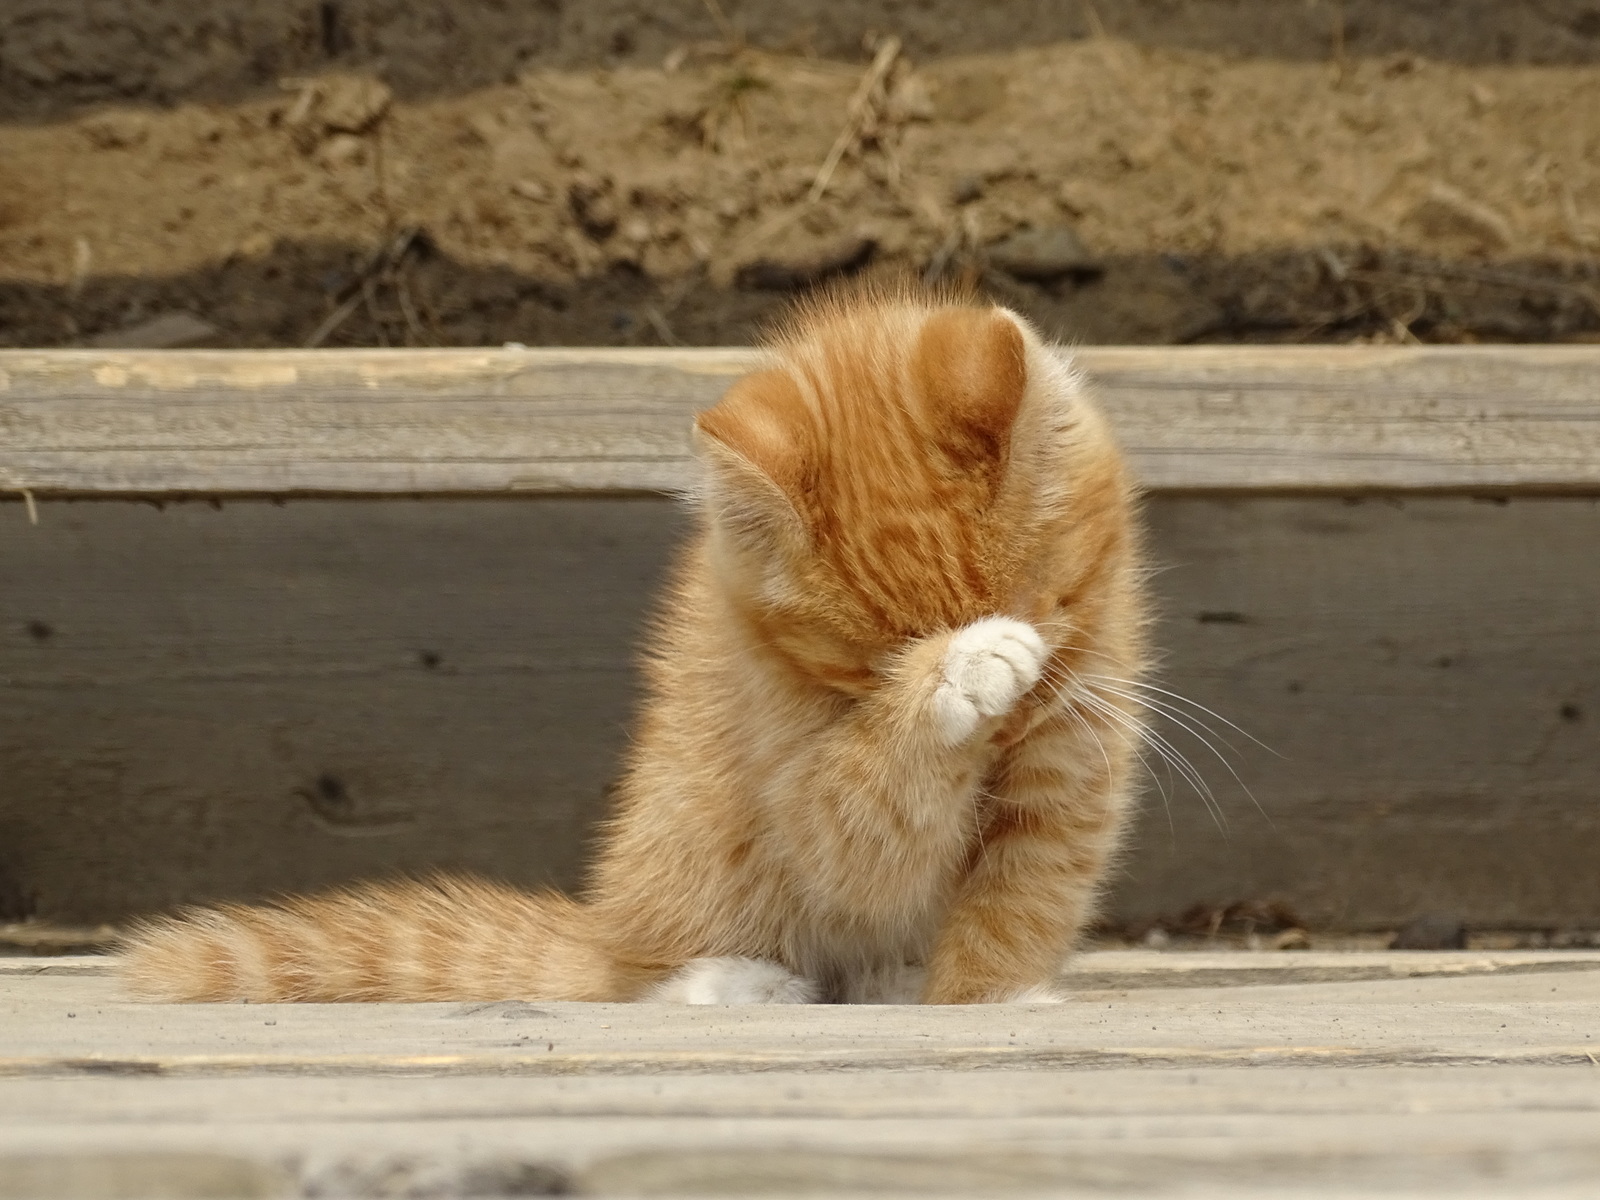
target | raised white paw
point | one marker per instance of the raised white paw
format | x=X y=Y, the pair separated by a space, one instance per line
x=988 y=667
x=733 y=981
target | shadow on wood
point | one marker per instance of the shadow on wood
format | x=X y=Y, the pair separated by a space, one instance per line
x=205 y=700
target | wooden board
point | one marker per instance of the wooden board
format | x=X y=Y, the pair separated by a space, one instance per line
x=200 y=702
x=1447 y=1075
x=1426 y=673
x=204 y=701
x=1501 y=418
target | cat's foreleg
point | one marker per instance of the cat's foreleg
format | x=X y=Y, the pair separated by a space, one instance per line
x=1051 y=822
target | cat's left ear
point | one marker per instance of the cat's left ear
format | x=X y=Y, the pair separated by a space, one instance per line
x=971 y=366
x=759 y=441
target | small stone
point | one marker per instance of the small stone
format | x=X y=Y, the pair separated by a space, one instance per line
x=592 y=204
x=1431 y=932
x=352 y=103
x=1045 y=254
x=342 y=150
x=531 y=189
x=256 y=245
x=909 y=100
x=1448 y=212
x=1291 y=939
x=789 y=273
x=168 y=331
x=1078 y=199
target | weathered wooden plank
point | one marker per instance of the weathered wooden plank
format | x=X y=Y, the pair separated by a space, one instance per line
x=495 y=1099
x=1412 y=1021
x=199 y=703
x=1479 y=1156
x=1280 y=1159
x=1114 y=1092
x=460 y=421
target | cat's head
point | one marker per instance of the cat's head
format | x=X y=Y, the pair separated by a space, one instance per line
x=900 y=468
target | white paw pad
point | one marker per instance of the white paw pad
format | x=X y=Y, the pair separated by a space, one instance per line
x=733 y=981
x=988 y=667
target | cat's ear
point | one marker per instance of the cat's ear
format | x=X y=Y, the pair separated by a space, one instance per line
x=972 y=368
x=758 y=440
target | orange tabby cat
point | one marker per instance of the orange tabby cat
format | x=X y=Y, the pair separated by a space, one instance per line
x=872 y=765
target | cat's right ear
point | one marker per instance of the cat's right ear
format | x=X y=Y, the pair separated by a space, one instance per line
x=757 y=441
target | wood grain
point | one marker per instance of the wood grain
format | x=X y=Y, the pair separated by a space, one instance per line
x=201 y=702
x=1468 y=1082
x=1496 y=419
x=1399 y=1020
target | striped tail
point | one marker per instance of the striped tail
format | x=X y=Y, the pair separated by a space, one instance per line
x=443 y=938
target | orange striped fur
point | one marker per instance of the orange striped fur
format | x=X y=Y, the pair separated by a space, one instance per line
x=871 y=757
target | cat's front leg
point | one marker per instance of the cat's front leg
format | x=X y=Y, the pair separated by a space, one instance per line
x=1052 y=817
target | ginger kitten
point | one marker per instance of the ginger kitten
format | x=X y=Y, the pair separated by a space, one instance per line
x=872 y=764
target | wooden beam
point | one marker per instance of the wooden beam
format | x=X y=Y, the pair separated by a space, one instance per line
x=204 y=702
x=374 y=422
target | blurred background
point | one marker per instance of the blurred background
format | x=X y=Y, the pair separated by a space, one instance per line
x=401 y=172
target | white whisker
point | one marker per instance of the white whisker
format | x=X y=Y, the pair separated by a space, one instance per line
x=1169 y=753
x=1193 y=704
x=1170 y=711
x=1161 y=790
x=1183 y=721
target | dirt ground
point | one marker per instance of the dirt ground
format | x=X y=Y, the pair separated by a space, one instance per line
x=387 y=172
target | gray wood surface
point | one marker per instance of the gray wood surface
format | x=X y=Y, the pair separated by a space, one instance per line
x=1498 y=418
x=1455 y=1074
x=201 y=702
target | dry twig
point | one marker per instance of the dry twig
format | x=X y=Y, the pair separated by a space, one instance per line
x=382 y=265
x=658 y=322
x=408 y=309
x=869 y=96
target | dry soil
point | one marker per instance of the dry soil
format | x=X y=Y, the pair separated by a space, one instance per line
x=363 y=172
